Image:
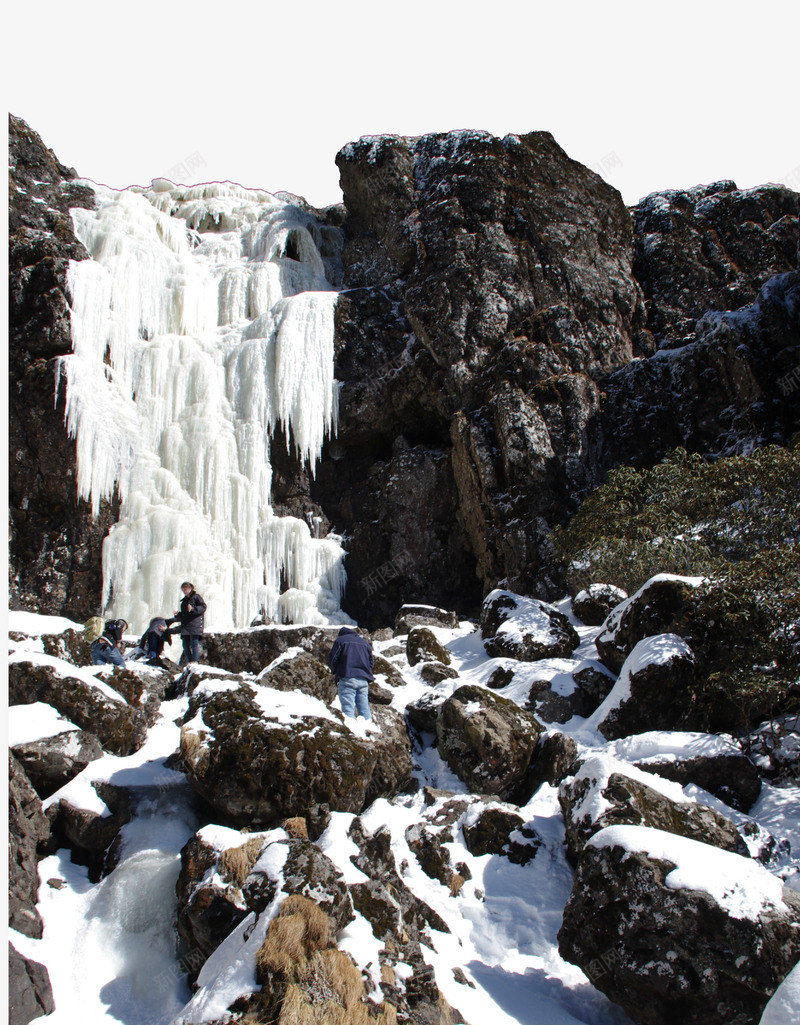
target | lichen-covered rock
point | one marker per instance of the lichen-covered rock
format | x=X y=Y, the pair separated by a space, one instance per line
x=93 y=706
x=558 y=704
x=90 y=831
x=605 y=792
x=422 y=646
x=488 y=741
x=593 y=604
x=675 y=931
x=53 y=761
x=423 y=713
x=251 y=651
x=410 y=616
x=654 y=609
x=555 y=759
x=258 y=756
x=525 y=628
x=653 y=691
x=303 y=672
x=29 y=992
x=27 y=829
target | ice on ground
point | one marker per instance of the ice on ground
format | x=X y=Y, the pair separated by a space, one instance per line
x=741 y=886
x=784 y=1005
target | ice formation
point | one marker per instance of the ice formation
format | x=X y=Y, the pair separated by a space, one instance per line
x=202 y=323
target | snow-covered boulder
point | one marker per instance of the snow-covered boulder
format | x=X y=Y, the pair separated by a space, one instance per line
x=593 y=604
x=527 y=629
x=257 y=754
x=488 y=741
x=653 y=691
x=250 y=651
x=677 y=931
x=606 y=792
x=654 y=609
x=423 y=646
x=84 y=696
x=501 y=831
x=53 y=761
x=423 y=713
x=554 y=760
x=712 y=762
x=410 y=616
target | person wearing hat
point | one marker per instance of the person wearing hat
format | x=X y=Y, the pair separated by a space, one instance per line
x=190 y=615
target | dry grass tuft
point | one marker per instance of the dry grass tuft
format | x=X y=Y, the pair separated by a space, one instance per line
x=296 y=828
x=456 y=882
x=234 y=864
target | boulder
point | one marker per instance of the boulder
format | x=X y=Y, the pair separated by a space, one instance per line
x=555 y=759
x=28 y=828
x=675 y=931
x=70 y=646
x=302 y=672
x=525 y=628
x=595 y=682
x=605 y=792
x=422 y=646
x=92 y=832
x=53 y=761
x=29 y=993
x=654 y=609
x=714 y=763
x=500 y=831
x=386 y=674
x=85 y=700
x=654 y=689
x=436 y=672
x=433 y=857
x=423 y=713
x=488 y=741
x=257 y=757
x=410 y=616
x=250 y=651
x=558 y=702
x=593 y=604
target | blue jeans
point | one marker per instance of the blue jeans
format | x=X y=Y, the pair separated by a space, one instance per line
x=354 y=694
x=191 y=648
x=107 y=654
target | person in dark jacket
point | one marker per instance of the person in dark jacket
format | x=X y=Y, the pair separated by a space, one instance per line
x=351 y=661
x=191 y=617
x=105 y=650
x=152 y=642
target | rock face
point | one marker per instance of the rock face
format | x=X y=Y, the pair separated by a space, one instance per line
x=525 y=628
x=255 y=768
x=488 y=741
x=54 y=544
x=29 y=992
x=27 y=829
x=677 y=953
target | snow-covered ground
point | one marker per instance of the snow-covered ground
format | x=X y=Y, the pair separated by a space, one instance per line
x=111 y=947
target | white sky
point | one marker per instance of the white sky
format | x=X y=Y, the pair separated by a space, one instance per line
x=668 y=94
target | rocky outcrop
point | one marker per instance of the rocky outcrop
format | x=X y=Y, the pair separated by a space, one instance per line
x=29 y=993
x=251 y=651
x=602 y=794
x=27 y=829
x=121 y=727
x=488 y=741
x=422 y=646
x=256 y=763
x=674 y=933
x=526 y=629
x=54 y=543
x=422 y=615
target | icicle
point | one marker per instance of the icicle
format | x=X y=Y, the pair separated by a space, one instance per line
x=202 y=323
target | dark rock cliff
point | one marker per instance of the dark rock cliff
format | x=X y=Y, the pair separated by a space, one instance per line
x=507 y=331
x=54 y=544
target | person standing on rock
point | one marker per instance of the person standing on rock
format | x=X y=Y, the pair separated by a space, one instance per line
x=191 y=617
x=105 y=650
x=351 y=661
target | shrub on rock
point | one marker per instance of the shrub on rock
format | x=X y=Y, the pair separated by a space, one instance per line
x=525 y=628
x=673 y=930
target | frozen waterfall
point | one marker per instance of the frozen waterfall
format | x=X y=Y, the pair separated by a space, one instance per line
x=202 y=323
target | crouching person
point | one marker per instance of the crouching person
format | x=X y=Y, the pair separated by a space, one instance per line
x=152 y=642
x=351 y=661
x=106 y=649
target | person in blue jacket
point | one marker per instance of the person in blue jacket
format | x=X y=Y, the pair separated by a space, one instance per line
x=351 y=661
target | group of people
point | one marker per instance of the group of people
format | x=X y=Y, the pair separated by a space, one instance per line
x=108 y=648
x=351 y=659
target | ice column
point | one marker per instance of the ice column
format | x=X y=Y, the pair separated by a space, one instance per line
x=202 y=323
